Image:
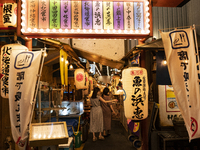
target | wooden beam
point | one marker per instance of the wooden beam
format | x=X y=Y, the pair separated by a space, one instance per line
x=51 y=60
x=55 y=70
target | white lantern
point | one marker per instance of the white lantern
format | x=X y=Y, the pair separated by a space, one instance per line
x=10 y=14
x=135 y=85
x=79 y=77
x=5 y=63
x=115 y=82
x=86 y=91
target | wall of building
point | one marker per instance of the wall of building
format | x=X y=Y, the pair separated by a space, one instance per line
x=168 y=17
x=193 y=14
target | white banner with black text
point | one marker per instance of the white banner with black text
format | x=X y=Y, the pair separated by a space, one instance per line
x=24 y=68
x=183 y=65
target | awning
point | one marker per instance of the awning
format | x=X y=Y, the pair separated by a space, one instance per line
x=156 y=45
x=53 y=56
x=99 y=59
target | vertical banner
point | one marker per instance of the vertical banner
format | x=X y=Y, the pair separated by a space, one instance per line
x=63 y=67
x=86 y=91
x=54 y=14
x=5 y=63
x=43 y=14
x=32 y=14
x=115 y=82
x=108 y=15
x=139 y=15
x=128 y=16
x=76 y=15
x=87 y=14
x=97 y=15
x=118 y=15
x=183 y=66
x=135 y=84
x=10 y=14
x=65 y=14
x=24 y=68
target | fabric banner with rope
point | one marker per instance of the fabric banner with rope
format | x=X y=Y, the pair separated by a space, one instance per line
x=183 y=65
x=23 y=74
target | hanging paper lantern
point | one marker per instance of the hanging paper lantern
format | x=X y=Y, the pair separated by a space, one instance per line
x=79 y=77
x=10 y=14
x=5 y=63
x=115 y=82
x=86 y=91
x=135 y=85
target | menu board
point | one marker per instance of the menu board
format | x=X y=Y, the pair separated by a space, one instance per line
x=52 y=133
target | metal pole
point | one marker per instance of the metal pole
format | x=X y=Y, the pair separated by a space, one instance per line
x=37 y=85
x=39 y=101
x=196 y=49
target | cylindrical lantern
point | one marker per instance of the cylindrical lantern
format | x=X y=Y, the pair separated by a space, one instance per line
x=115 y=81
x=10 y=14
x=5 y=63
x=86 y=91
x=135 y=85
x=79 y=77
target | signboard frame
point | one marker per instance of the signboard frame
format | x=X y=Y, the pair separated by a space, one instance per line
x=87 y=33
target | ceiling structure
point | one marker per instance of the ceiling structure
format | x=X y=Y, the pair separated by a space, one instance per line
x=169 y=3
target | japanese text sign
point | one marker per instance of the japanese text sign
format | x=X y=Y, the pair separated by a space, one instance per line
x=183 y=66
x=10 y=14
x=24 y=68
x=135 y=85
x=5 y=63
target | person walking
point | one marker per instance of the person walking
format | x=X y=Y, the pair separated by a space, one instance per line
x=96 y=114
x=107 y=112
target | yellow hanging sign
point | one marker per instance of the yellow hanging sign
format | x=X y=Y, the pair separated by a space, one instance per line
x=108 y=15
x=63 y=67
x=76 y=15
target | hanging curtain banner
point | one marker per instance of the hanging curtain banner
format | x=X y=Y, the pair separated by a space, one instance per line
x=5 y=63
x=118 y=15
x=76 y=15
x=128 y=16
x=63 y=67
x=33 y=14
x=87 y=14
x=115 y=81
x=10 y=14
x=135 y=84
x=86 y=91
x=43 y=14
x=24 y=68
x=108 y=15
x=65 y=14
x=138 y=15
x=91 y=83
x=97 y=15
x=183 y=69
x=54 y=14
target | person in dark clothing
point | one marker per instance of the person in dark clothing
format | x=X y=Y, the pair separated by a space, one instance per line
x=107 y=111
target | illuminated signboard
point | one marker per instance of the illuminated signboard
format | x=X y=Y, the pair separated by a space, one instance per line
x=63 y=17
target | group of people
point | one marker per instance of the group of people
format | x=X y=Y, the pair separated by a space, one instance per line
x=101 y=113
